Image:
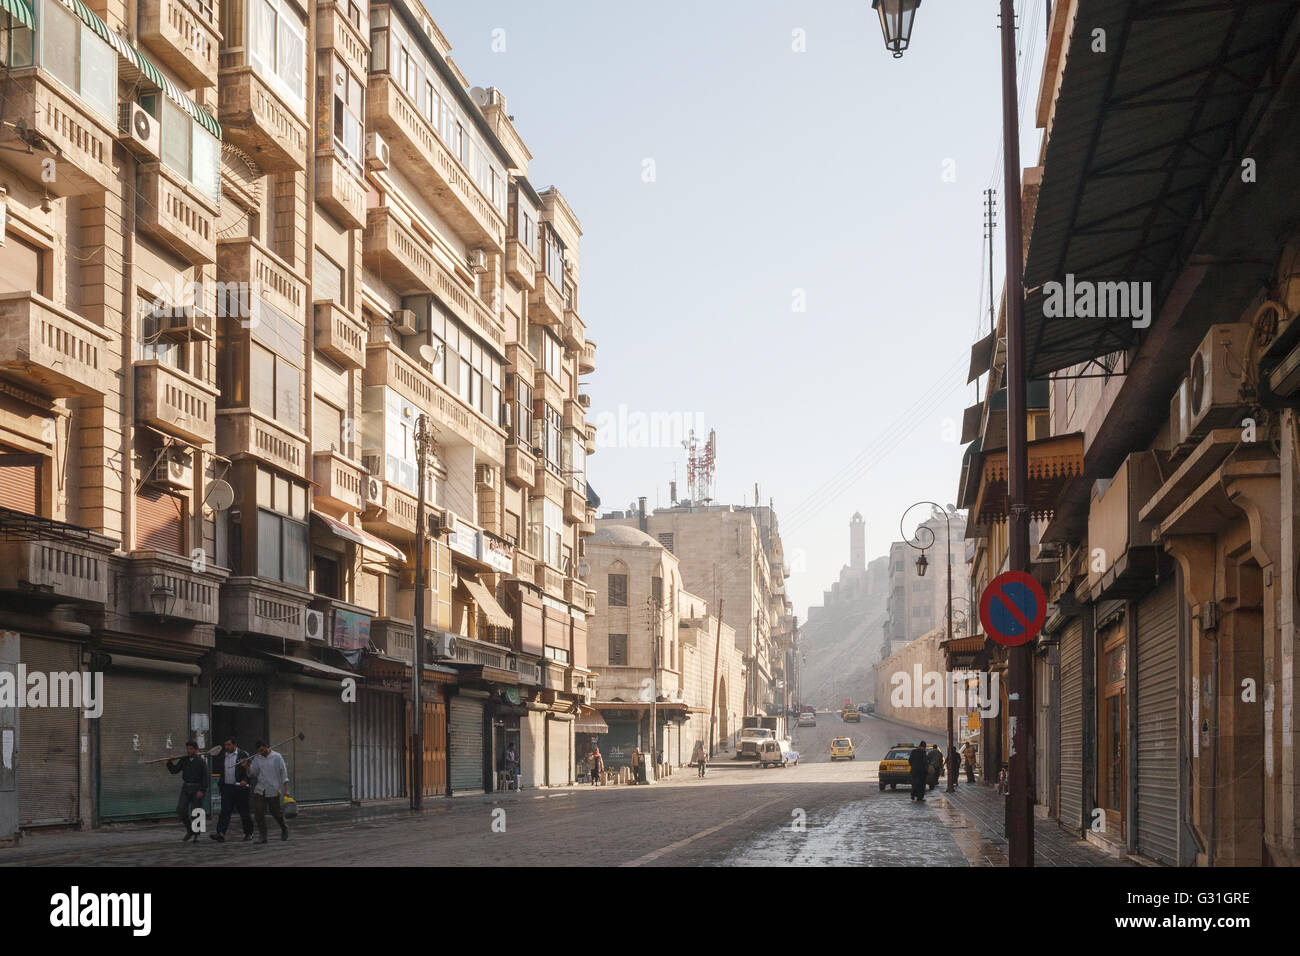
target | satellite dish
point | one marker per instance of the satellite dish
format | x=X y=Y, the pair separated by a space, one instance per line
x=478 y=95
x=430 y=354
x=220 y=495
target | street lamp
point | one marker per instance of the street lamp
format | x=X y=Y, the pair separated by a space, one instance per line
x=896 y=18
x=921 y=565
x=162 y=597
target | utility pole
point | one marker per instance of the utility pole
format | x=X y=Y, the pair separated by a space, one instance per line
x=713 y=707
x=990 y=224
x=417 y=656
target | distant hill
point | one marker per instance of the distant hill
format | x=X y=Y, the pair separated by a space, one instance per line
x=841 y=639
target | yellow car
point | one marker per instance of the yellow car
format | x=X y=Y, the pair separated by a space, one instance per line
x=841 y=747
x=894 y=768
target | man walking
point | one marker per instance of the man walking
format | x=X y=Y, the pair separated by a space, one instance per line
x=968 y=757
x=919 y=766
x=954 y=761
x=699 y=757
x=512 y=768
x=596 y=763
x=232 y=777
x=270 y=782
x=934 y=766
x=194 y=777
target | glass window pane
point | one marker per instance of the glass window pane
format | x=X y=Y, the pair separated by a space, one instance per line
x=281 y=503
x=295 y=554
x=268 y=545
x=176 y=126
x=264 y=499
x=261 y=36
x=59 y=42
x=298 y=501
x=291 y=53
x=261 y=375
x=288 y=398
x=206 y=163
x=99 y=74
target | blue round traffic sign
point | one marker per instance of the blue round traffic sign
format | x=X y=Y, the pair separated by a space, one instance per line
x=1013 y=608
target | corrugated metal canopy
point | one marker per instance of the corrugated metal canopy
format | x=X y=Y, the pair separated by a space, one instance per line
x=1141 y=142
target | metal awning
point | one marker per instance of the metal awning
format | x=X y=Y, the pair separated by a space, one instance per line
x=590 y=722
x=1052 y=463
x=1140 y=147
x=981 y=358
x=496 y=615
x=19 y=11
x=311 y=665
x=360 y=536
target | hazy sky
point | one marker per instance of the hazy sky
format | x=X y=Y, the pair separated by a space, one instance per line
x=784 y=245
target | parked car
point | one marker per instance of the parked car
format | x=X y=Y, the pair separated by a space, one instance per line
x=777 y=753
x=894 y=768
x=807 y=719
x=866 y=708
x=841 y=748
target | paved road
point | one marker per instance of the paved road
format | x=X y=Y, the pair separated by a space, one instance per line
x=815 y=813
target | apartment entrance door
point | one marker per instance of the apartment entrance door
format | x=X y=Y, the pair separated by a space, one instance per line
x=1112 y=728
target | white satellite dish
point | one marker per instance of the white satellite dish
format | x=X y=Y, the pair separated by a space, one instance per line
x=478 y=95
x=430 y=354
x=220 y=495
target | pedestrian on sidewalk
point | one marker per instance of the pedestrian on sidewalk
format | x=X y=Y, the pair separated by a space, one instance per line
x=270 y=782
x=968 y=757
x=919 y=766
x=596 y=763
x=194 y=778
x=934 y=766
x=954 y=762
x=512 y=767
x=638 y=766
x=232 y=777
x=699 y=757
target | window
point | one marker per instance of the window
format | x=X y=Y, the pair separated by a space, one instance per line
x=150 y=343
x=549 y=420
x=188 y=149
x=618 y=590
x=275 y=387
x=558 y=654
x=666 y=539
x=348 y=115
x=78 y=58
x=328 y=279
x=16 y=45
x=618 y=650
x=281 y=529
x=326 y=574
x=546 y=348
x=327 y=426
x=22 y=266
x=277 y=47
x=522 y=426
x=553 y=516
x=575 y=460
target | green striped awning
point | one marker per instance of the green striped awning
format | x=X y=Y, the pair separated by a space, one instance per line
x=19 y=11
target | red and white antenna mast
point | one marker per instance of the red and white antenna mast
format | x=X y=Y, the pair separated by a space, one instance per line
x=700 y=462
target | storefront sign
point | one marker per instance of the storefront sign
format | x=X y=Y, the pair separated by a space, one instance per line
x=351 y=630
x=498 y=554
x=465 y=540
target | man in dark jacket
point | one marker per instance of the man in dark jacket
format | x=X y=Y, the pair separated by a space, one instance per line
x=231 y=775
x=934 y=766
x=194 y=780
x=919 y=765
x=954 y=761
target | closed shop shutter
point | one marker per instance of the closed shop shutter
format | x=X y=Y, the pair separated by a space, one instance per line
x=560 y=750
x=1072 y=727
x=466 y=744
x=435 y=747
x=1157 y=725
x=20 y=483
x=319 y=765
x=48 y=738
x=146 y=715
x=159 y=520
x=378 y=746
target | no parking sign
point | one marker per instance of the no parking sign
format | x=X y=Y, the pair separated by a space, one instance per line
x=1012 y=608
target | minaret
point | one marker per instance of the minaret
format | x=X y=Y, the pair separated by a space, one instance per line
x=858 y=543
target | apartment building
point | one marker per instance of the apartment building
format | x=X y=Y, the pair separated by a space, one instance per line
x=916 y=603
x=1163 y=447
x=249 y=249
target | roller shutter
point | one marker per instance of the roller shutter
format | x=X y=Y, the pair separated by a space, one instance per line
x=559 y=752
x=159 y=520
x=1157 y=725
x=146 y=715
x=1072 y=726
x=378 y=746
x=20 y=483
x=466 y=744
x=318 y=765
x=48 y=771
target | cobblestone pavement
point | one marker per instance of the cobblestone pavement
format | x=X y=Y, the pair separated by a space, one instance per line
x=737 y=815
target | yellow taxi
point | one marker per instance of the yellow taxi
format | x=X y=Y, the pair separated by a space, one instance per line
x=841 y=747
x=894 y=768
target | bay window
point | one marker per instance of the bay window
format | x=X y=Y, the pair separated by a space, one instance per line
x=277 y=47
x=347 y=113
x=548 y=351
x=275 y=365
x=545 y=530
x=553 y=257
x=522 y=423
x=188 y=149
x=78 y=58
x=548 y=423
x=282 y=549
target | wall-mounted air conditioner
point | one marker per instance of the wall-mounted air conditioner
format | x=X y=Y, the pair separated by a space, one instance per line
x=187 y=322
x=377 y=154
x=374 y=492
x=1214 y=398
x=313 y=625
x=444 y=644
x=485 y=476
x=137 y=130
x=477 y=261
x=404 y=321
x=176 y=469
x=1178 y=416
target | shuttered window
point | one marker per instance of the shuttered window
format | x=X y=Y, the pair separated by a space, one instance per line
x=618 y=649
x=618 y=590
x=20 y=483
x=22 y=266
x=159 y=520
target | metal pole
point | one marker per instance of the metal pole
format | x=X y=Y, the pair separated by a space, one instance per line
x=713 y=707
x=654 y=693
x=417 y=657
x=1019 y=810
x=948 y=690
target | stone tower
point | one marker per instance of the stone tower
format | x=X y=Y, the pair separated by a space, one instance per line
x=858 y=542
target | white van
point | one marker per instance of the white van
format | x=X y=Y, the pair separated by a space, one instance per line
x=777 y=753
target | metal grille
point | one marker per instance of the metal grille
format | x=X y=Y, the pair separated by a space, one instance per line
x=238 y=690
x=1072 y=727
x=1157 y=726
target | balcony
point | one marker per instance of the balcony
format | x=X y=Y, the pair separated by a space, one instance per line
x=548 y=484
x=546 y=305
x=589 y=601
x=548 y=390
x=246 y=433
x=549 y=580
x=520 y=264
x=1114 y=528
x=393 y=516
x=470 y=650
x=340 y=482
x=575 y=330
x=183 y=38
x=575 y=416
x=393 y=250
x=194 y=596
x=335 y=32
x=520 y=465
x=525 y=566
x=337 y=336
x=173 y=213
x=263 y=273
x=260 y=606
x=588 y=522
x=430 y=167
x=520 y=362
x=69 y=570
x=590 y=442
x=52 y=350
x=338 y=191
x=175 y=402
x=575 y=505
x=393 y=638
x=258 y=122
x=81 y=141
x=587 y=358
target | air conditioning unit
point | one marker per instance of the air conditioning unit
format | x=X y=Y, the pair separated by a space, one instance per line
x=404 y=321
x=1214 y=398
x=313 y=625
x=176 y=470
x=374 y=491
x=584 y=400
x=444 y=644
x=187 y=322
x=485 y=476
x=1178 y=416
x=477 y=260
x=506 y=414
x=377 y=154
x=137 y=130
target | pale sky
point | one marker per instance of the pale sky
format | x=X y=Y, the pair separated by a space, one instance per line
x=781 y=179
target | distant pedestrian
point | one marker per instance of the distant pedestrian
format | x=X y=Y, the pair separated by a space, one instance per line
x=954 y=762
x=596 y=764
x=638 y=766
x=270 y=782
x=699 y=757
x=512 y=767
x=919 y=767
x=934 y=766
x=968 y=758
x=232 y=779
x=194 y=779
